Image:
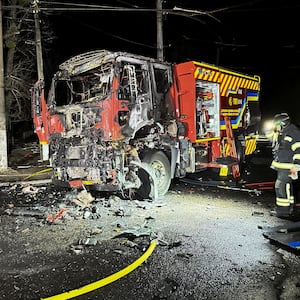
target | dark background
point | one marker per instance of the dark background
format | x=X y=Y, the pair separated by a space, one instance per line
x=255 y=37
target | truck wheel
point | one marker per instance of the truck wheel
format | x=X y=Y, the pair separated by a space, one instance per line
x=160 y=165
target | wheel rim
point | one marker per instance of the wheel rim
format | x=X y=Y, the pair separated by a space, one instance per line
x=160 y=174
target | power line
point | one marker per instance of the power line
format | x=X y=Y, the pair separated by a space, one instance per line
x=75 y=4
x=116 y=36
x=93 y=7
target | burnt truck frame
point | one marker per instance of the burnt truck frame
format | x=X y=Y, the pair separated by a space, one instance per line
x=115 y=121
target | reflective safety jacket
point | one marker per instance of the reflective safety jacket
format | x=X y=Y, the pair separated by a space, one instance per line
x=287 y=153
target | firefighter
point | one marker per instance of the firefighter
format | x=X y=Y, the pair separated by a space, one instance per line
x=286 y=151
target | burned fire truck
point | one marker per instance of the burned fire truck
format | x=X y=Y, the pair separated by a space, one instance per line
x=115 y=121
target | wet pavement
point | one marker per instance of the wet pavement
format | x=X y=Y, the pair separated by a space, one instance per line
x=211 y=242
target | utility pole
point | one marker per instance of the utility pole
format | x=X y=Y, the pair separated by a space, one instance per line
x=3 y=133
x=38 y=40
x=44 y=148
x=159 y=24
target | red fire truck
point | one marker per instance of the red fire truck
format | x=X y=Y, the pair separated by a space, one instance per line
x=115 y=121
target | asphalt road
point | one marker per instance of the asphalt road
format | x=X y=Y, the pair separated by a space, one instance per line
x=211 y=244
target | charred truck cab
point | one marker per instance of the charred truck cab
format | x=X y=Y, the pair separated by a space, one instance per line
x=115 y=121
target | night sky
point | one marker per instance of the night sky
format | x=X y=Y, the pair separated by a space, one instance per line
x=255 y=37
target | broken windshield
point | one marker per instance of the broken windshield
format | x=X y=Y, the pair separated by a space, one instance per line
x=92 y=85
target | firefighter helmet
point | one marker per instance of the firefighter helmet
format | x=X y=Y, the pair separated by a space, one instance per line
x=282 y=120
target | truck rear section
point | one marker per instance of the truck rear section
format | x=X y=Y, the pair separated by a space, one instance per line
x=115 y=121
x=220 y=110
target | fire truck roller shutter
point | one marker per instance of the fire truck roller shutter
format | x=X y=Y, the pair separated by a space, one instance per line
x=160 y=165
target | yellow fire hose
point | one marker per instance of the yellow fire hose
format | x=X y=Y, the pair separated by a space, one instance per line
x=38 y=173
x=100 y=283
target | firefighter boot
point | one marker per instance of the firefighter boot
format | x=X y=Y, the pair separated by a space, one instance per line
x=284 y=211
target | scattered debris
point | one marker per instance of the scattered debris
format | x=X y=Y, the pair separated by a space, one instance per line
x=255 y=188
x=130 y=244
x=175 y=244
x=55 y=206
x=90 y=241
x=158 y=236
x=135 y=231
x=122 y=252
x=29 y=189
x=148 y=205
x=184 y=255
x=96 y=230
x=54 y=217
x=257 y=214
x=84 y=199
x=77 y=249
x=87 y=214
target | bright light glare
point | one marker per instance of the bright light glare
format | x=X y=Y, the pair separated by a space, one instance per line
x=268 y=126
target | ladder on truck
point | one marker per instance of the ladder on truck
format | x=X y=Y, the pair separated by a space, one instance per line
x=132 y=82
x=232 y=148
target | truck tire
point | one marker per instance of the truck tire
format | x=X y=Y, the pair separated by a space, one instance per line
x=160 y=164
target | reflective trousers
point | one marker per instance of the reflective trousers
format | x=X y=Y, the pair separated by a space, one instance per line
x=284 y=193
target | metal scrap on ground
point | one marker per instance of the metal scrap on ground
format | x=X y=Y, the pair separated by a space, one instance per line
x=287 y=236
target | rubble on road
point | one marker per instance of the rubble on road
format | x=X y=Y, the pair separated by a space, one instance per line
x=99 y=216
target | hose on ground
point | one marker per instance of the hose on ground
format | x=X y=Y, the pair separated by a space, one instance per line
x=105 y=281
x=38 y=173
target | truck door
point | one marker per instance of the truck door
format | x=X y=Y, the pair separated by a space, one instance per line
x=134 y=86
x=162 y=80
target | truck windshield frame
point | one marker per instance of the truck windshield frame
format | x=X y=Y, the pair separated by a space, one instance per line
x=90 y=86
